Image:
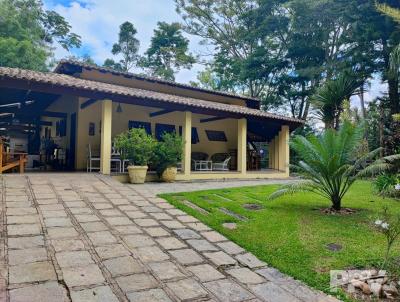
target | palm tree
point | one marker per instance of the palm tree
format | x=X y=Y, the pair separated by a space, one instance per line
x=329 y=165
x=394 y=13
x=329 y=99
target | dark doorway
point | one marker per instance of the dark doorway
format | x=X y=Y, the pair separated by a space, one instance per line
x=72 y=143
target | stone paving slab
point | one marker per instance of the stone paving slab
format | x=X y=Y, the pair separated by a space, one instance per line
x=87 y=238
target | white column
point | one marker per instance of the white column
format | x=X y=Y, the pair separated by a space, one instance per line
x=242 y=145
x=187 y=143
x=105 y=148
x=276 y=153
x=284 y=149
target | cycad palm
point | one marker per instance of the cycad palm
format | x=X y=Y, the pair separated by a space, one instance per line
x=328 y=164
x=329 y=99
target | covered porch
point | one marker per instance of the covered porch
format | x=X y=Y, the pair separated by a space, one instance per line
x=215 y=147
x=221 y=141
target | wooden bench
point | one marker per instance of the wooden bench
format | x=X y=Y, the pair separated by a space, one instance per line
x=10 y=160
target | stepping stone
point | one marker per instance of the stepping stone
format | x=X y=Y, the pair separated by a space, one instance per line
x=187 y=234
x=230 y=225
x=123 y=266
x=205 y=272
x=195 y=207
x=25 y=242
x=67 y=245
x=252 y=206
x=151 y=254
x=250 y=260
x=229 y=291
x=223 y=197
x=272 y=292
x=46 y=292
x=170 y=243
x=74 y=258
x=201 y=245
x=334 y=247
x=230 y=247
x=154 y=295
x=186 y=256
x=166 y=270
x=187 y=289
x=233 y=214
x=32 y=272
x=213 y=236
x=220 y=259
x=136 y=282
x=83 y=276
x=27 y=255
x=246 y=276
x=101 y=293
x=111 y=251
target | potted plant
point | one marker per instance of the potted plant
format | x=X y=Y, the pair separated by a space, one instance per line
x=167 y=155
x=136 y=146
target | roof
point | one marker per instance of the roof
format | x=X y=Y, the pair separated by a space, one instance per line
x=63 y=62
x=141 y=96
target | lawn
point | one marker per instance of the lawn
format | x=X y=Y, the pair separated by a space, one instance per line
x=291 y=234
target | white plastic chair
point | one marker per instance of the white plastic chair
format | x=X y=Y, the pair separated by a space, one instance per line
x=90 y=159
x=221 y=166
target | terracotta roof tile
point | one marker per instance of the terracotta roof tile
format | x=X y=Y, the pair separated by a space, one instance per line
x=90 y=85
x=148 y=78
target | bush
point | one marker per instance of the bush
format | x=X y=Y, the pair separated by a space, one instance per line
x=168 y=152
x=136 y=146
x=385 y=185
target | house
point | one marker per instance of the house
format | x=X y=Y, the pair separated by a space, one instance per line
x=55 y=116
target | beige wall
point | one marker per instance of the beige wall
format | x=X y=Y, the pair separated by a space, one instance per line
x=132 y=82
x=139 y=113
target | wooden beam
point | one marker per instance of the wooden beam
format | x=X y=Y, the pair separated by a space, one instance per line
x=88 y=103
x=212 y=119
x=54 y=114
x=157 y=113
x=46 y=123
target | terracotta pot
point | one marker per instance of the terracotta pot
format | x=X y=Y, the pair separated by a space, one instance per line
x=169 y=175
x=137 y=174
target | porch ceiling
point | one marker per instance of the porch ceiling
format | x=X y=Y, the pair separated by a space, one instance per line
x=57 y=84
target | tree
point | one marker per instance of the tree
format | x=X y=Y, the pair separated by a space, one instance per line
x=168 y=51
x=245 y=55
x=127 y=47
x=329 y=165
x=28 y=34
x=329 y=99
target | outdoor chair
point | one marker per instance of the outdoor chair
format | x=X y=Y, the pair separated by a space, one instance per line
x=220 y=161
x=115 y=158
x=91 y=159
x=198 y=159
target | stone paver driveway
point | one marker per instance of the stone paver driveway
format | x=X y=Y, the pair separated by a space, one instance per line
x=85 y=237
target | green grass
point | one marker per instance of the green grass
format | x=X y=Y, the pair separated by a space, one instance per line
x=291 y=234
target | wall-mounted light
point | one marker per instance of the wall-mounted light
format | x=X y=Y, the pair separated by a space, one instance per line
x=119 y=108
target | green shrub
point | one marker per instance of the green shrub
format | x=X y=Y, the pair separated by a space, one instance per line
x=136 y=146
x=168 y=152
x=385 y=185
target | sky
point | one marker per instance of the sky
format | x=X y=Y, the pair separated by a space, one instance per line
x=97 y=22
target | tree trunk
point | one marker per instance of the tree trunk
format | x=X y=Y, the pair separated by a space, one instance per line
x=336 y=203
x=362 y=103
x=394 y=98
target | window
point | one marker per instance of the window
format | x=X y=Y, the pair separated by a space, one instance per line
x=61 y=128
x=162 y=128
x=145 y=125
x=216 y=136
x=195 y=135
